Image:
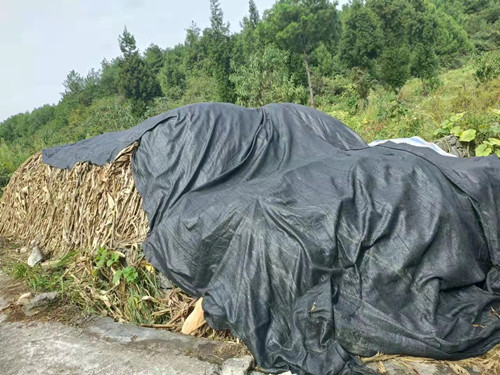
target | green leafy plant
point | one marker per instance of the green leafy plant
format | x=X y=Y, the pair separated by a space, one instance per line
x=105 y=257
x=129 y=274
x=467 y=135
x=42 y=279
x=488 y=66
x=448 y=126
x=484 y=139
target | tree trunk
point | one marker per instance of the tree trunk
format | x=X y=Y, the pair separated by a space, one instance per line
x=311 y=94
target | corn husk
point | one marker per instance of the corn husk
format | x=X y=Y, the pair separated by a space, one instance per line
x=84 y=208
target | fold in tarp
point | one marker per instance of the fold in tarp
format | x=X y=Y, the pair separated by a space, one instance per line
x=309 y=245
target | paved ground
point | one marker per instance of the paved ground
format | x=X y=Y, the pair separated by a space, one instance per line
x=42 y=345
x=99 y=346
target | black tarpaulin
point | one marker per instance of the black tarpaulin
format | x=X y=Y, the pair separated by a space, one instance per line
x=310 y=246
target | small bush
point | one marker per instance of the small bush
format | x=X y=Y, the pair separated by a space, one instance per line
x=488 y=66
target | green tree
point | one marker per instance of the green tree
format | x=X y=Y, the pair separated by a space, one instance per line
x=245 y=43
x=173 y=73
x=266 y=79
x=153 y=57
x=322 y=61
x=452 y=41
x=361 y=40
x=299 y=26
x=136 y=82
x=253 y=17
x=110 y=76
x=194 y=54
x=219 y=52
x=73 y=83
x=425 y=63
x=393 y=64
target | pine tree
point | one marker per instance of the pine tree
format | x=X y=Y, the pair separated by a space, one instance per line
x=393 y=65
x=136 y=82
x=425 y=63
x=154 y=58
x=254 y=17
x=265 y=79
x=361 y=40
x=219 y=52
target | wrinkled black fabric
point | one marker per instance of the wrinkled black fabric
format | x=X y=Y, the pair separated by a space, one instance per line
x=310 y=246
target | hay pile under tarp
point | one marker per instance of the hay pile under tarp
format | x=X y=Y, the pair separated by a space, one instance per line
x=319 y=230
x=83 y=208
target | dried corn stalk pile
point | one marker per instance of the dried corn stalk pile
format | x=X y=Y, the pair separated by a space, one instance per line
x=83 y=209
x=86 y=207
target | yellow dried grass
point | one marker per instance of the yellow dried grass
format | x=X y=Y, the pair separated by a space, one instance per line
x=487 y=364
x=86 y=207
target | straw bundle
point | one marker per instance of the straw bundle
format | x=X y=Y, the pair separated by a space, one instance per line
x=86 y=207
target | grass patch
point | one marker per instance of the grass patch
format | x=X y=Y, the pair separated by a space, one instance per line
x=409 y=113
x=42 y=280
x=111 y=283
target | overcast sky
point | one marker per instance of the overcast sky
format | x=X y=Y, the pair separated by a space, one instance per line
x=43 y=40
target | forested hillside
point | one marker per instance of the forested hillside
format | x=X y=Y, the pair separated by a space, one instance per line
x=388 y=68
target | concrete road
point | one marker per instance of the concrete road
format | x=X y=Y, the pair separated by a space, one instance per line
x=99 y=346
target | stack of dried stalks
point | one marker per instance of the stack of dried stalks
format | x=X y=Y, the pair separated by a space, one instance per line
x=83 y=209
x=86 y=207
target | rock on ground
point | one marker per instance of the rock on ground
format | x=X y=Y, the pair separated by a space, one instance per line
x=35 y=257
x=237 y=366
x=39 y=303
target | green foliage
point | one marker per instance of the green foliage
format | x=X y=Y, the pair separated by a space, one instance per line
x=154 y=58
x=266 y=79
x=484 y=138
x=488 y=66
x=104 y=283
x=128 y=274
x=359 y=63
x=299 y=26
x=44 y=280
x=362 y=38
x=393 y=66
x=425 y=63
x=106 y=258
x=136 y=82
x=408 y=113
x=363 y=83
x=219 y=48
x=173 y=73
x=467 y=135
x=481 y=22
x=449 y=125
x=452 y=41
x=111 y=261
x=396 y=19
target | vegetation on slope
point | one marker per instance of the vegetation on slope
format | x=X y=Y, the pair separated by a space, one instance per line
x=388 y=68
